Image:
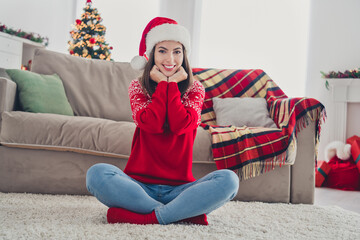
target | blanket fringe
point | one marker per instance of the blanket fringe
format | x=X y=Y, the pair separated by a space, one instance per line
x=304 y=121
x=256 y=168
x=316 y=115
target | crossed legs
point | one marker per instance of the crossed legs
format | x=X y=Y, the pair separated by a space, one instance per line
x=115 y=189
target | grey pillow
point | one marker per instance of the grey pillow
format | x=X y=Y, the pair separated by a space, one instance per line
x=94 y=88
x=247 y=111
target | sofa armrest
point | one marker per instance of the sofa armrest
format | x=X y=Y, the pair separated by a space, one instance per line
x=300 y=117
x=302 y=180
x=7 y=95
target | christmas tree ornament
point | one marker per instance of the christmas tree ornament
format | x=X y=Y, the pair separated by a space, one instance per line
x=88 y=35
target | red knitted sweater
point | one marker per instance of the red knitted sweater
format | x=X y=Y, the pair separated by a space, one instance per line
x=163 y=154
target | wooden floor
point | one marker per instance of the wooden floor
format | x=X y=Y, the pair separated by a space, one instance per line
x=349 y=200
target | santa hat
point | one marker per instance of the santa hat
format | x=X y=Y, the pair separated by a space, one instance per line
x=160 y=29
x=339 y=149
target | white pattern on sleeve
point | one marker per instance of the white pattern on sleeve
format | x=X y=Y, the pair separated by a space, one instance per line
x=194 y=98
x=138 y=99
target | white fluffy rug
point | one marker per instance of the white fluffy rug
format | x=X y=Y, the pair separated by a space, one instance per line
x=31 y=216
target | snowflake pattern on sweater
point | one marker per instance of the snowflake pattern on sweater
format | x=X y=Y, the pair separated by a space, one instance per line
x=139 y=100
x=194 y=98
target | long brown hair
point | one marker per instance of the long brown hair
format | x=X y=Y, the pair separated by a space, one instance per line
x=149 y=85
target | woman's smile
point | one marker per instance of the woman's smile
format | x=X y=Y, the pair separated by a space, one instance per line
x=169 y=67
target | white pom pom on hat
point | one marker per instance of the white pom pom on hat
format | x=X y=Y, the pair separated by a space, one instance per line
x=138 y=62
x=339 y=149
x=157 y=30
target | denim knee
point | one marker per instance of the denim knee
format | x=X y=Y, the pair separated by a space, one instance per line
x=230 y=182
x=94 y=173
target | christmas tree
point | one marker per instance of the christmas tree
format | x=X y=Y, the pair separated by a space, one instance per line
x=89 y=36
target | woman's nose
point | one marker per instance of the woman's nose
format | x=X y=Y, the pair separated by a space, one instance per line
x=170 y=58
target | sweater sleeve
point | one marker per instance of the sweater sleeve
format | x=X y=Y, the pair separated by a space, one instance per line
x=148 y=113
x=185 y=114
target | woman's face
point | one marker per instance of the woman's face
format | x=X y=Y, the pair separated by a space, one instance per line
x=168 y=57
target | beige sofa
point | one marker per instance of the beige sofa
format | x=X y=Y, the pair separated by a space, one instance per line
x=50 y=153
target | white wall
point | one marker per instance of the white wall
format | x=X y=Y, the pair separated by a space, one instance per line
x=188 y=14
x=124 y=21
x=270 y=35
x=334 y=45
x=49 y=18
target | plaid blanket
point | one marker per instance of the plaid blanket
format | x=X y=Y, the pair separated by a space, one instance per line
x=253 y=150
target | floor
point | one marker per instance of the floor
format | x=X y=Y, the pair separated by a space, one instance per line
x=349 y=200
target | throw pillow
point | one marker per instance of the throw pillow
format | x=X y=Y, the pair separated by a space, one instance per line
x=40 y=93
x=247 y=111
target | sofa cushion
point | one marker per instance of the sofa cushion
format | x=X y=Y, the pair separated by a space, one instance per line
x=65 y=133
x=246 y=111
x=81 y=134
x=40 y=93
x=95 y=88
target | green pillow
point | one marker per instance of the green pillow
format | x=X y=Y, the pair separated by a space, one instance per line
x=41 y=93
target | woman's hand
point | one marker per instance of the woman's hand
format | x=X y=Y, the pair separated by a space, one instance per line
x=179 y=76
x=156 y=75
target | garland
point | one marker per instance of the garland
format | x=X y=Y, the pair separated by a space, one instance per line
x=30 y=36
x=347 y=74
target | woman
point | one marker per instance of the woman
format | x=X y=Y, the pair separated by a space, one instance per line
x=157 y=185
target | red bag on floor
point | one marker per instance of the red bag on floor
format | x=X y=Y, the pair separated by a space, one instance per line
x=321 y=173
x=355 y=149
x=344 y=175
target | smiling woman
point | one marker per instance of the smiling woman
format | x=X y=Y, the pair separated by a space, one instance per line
x=157 y=183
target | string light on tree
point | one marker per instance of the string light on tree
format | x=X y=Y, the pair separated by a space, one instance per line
x=88 y=36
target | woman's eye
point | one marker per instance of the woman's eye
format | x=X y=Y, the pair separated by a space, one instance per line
x=161 y=51
x=177 y=52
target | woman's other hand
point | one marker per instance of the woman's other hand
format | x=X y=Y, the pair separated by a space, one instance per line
x=156 y=75
x=179 y=76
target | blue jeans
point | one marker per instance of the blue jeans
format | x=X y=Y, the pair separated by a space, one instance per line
x=114 y=188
